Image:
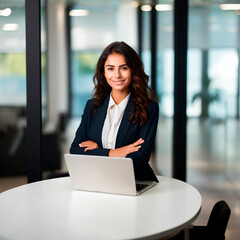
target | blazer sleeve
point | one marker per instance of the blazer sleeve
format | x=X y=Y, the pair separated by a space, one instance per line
x=147 y=133
x=82 y=134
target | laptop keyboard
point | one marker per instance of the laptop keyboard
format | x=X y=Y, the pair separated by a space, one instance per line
x=139 y=186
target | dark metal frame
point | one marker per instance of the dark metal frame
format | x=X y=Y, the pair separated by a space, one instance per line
x=69 y=56
x=34 y=93
x=153 y=42
x=139 y=32
x=180 y=89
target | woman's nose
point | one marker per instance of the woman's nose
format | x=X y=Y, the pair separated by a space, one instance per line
x=117 y=73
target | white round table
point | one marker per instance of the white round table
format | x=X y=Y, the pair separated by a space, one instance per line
x=51 y=209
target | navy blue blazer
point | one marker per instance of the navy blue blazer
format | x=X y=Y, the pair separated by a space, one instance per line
x=91 y=127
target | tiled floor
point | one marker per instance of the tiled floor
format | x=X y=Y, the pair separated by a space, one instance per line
x=213 y=155
x=213 y=165
x=213 y=185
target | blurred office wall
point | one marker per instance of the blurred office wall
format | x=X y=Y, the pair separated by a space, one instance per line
x=74 y=33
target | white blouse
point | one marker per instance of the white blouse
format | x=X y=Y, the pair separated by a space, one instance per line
x=112 y=122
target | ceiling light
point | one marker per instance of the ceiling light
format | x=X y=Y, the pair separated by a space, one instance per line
x=10 y=27
x=135 y=4
x=146 y=8
x=5 y=12
x=230 y=6
x=163 y=7
x=78 y=12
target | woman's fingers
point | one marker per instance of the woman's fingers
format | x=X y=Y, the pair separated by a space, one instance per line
x=135 y=146
x=123 y=151
x=85 y=144
x=89 y=145
x=138 y=142
x=135 y=149
x=88 y=148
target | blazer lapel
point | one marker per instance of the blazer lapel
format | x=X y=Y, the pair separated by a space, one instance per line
x=125 y=123
x=100 y=118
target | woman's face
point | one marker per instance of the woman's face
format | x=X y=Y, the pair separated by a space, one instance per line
x=117 y=73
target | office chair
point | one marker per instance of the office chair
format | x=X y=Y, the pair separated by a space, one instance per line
x=216 y=226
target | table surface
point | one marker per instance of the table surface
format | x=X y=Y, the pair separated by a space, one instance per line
x=51 y=209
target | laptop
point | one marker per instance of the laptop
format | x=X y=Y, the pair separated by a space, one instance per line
x=104 y=174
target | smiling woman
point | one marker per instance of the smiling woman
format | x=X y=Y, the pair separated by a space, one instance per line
x=121 y=120
x=118 y=76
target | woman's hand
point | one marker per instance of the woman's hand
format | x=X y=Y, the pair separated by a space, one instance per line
x=123 y=151
x=89 y=145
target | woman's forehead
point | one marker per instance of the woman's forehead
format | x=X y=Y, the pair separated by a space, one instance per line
x=115 y=59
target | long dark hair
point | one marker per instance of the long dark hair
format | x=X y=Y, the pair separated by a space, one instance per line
x=142 y=94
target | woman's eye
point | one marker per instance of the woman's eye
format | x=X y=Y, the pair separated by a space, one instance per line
x=124 y=68
x=110 y=69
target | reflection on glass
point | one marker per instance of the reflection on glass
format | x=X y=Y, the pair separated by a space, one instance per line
x=82 y=75
x=194 y=81
x=12 y=93
x=12 y=79
x=12 y=57
x=146 y=52
x=223 y=73
x=43 y=62
x=164 y=87
x=94 y=25
x=213 y=63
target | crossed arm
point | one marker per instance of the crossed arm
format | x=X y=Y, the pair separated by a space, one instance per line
x=118 y=152
x=85 y=141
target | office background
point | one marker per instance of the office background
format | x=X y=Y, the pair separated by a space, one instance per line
x=73 y=34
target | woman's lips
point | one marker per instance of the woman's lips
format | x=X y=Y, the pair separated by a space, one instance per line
x=119 y=82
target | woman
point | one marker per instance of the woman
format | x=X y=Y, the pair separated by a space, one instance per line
x=121 y=119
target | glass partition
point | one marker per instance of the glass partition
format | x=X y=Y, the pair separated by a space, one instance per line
x=94 y=25
x=12 y=55
x=12 y=94
x=164 y=86
x=13 y=126
x=213 y=83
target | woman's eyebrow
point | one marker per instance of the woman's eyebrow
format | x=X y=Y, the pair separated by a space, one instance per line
x=123 y=65
x=109 y=65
